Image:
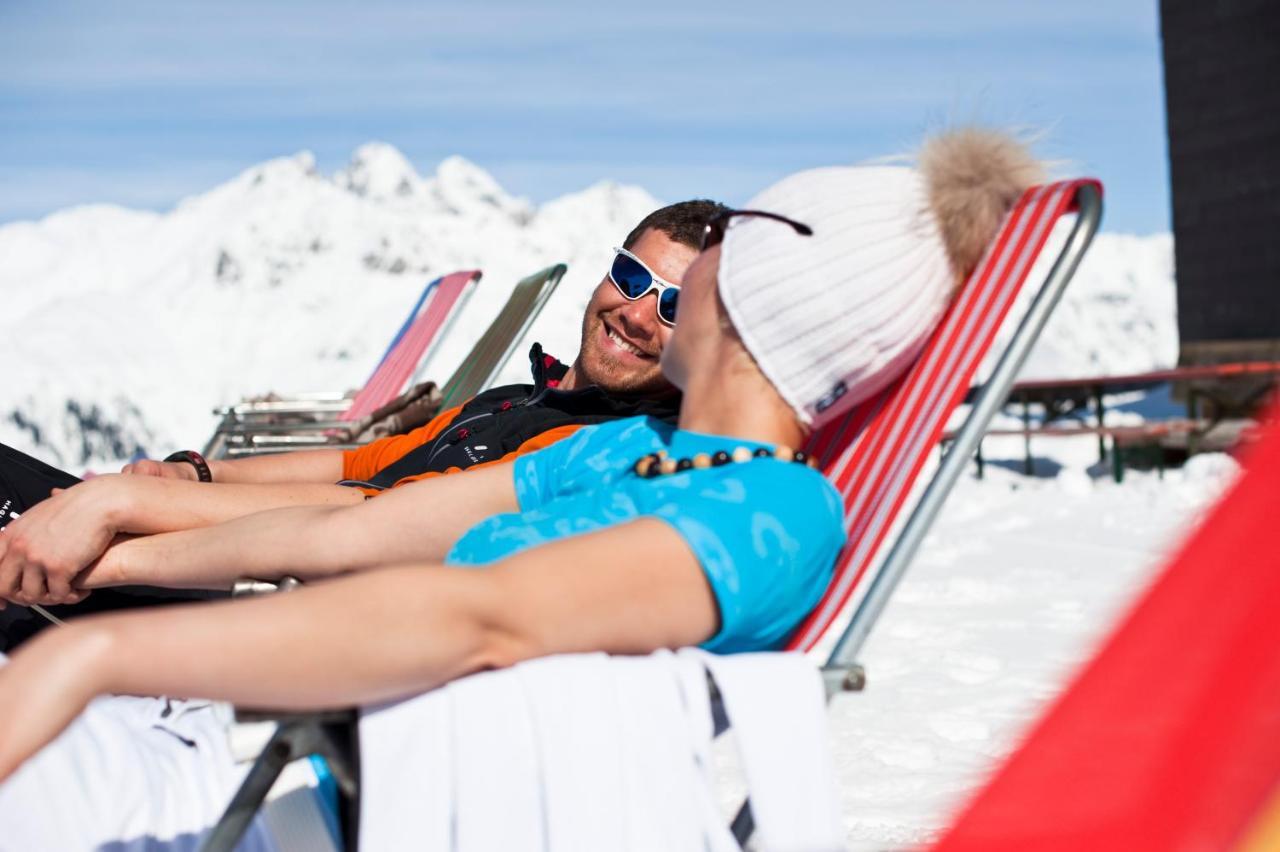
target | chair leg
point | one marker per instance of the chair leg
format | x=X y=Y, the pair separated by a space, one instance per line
x=1100 y=408
x=1027 y=467
x=333 y=736
x=253 y=791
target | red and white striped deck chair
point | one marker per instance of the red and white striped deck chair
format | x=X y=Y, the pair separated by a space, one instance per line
x=874 y=454
x=402 y=360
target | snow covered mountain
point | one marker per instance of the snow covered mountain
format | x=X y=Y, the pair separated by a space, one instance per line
x=122 y=329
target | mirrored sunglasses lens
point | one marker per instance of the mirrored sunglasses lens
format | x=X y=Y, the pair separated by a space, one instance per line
x=632 y=278
x=667 y=301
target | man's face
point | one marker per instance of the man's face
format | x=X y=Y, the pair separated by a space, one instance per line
x=622 y=339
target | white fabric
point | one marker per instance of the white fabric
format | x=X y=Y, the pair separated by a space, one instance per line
x=777 y=709
x=128 y=774
x=146 y=774
x=834 y=317
x=594 y=752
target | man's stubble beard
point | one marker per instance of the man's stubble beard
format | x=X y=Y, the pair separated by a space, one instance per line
x=605 y=372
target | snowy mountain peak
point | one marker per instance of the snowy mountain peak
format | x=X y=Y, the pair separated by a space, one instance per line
x=282 y=170
x=609 y=203
x=462 y=186
x=380 y=172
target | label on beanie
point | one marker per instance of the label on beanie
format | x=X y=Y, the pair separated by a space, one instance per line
x=832 y=397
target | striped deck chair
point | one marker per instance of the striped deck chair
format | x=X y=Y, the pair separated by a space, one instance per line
x=424 y=326
x=312 y=419
x=495 y=347
x=873 y=455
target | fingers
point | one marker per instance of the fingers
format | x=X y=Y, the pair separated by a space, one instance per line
x=164 y=470
x=34 y=589
x=58 y=587
x=144 y=467
x=22 y=578
x=10 y=573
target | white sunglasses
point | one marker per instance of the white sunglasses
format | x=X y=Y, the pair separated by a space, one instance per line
x=634 y=280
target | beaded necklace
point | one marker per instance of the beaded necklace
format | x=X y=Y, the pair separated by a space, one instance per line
x=660 y=464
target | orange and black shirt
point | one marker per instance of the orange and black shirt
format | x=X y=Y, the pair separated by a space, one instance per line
x=493 y=427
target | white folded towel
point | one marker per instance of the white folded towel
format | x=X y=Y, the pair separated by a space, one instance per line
x=588 y=752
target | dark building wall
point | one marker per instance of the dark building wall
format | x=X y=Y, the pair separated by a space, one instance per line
x=1222 y=90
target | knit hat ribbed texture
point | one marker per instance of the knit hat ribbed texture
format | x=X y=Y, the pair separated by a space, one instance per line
x=834 y=317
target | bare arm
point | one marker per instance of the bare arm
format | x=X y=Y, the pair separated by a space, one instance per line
x=414 y=523
x=151 y=505
x=315 y=466
x=627 y=589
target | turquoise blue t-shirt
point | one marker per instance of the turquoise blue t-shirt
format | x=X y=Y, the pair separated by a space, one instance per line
x=766 y=532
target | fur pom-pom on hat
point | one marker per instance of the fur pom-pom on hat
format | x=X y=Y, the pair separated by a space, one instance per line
x=832 y=318
x=973 y=177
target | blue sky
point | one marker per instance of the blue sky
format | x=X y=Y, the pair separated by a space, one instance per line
x=141 y=103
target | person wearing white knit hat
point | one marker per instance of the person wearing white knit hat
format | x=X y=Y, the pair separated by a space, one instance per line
x=834 y=311
x=626 y=537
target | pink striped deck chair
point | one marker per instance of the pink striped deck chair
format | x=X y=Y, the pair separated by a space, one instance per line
x=874 y=454
x=402 y=359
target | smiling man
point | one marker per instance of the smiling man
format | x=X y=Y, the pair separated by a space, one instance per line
x=616 y=374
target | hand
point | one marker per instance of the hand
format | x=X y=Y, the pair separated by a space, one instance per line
x=164 y=470
x=44 y=687
x=42 y=552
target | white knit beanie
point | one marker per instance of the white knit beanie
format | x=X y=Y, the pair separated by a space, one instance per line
x=833 y=318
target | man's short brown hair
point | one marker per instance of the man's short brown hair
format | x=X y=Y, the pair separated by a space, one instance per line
x=682 y=222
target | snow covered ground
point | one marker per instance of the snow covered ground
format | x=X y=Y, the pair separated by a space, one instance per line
x=1020 y=580
x=120 y=330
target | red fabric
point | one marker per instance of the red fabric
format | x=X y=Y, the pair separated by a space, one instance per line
x=549 y=361
x=1170 y=738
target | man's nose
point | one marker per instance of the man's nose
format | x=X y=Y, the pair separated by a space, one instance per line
x=641 y=316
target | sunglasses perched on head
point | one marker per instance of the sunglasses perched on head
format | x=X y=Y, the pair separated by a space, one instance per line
x=635 y=280
x=713 y=233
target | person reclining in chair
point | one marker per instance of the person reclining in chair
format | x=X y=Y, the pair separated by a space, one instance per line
x=616 y=374
x=626 y=537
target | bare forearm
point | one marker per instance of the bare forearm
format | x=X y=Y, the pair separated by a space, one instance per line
x=155 y=505
x=314 y=466
x=414 y=523
x=305 y=649
x=265 y=546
